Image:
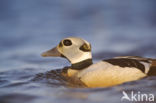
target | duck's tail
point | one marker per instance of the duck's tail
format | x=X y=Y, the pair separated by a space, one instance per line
x=152 y=71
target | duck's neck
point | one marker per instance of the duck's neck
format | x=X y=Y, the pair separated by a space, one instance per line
x=82 y=64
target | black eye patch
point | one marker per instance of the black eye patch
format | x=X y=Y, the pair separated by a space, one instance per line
x=67 y=42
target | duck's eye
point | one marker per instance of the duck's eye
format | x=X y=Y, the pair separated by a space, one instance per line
x=67 y=42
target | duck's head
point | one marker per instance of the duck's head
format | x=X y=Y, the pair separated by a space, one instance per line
x=76 y=50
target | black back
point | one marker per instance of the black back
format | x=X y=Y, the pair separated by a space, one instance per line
x=127 y=62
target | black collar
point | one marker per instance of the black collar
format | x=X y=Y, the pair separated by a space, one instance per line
x=81 y=65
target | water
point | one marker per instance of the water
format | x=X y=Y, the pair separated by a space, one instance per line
x=27 y=28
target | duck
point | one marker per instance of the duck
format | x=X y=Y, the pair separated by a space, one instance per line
x=105 y=73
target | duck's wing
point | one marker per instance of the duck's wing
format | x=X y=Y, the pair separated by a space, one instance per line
x=146 y=65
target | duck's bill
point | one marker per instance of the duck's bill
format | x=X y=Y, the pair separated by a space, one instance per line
x=52 y=52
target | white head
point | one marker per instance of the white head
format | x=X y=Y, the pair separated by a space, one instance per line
x=76 y=50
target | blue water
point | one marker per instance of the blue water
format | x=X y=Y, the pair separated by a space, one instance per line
x=27 y=28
